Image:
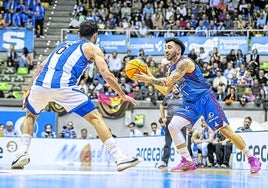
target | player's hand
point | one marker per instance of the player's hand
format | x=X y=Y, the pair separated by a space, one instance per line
x=142 y=77
x=130 y=99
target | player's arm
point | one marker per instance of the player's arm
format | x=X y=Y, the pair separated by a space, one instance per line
x=105 y=72
x=183 y=67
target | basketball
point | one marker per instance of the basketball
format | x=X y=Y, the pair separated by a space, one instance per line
x=135 y=66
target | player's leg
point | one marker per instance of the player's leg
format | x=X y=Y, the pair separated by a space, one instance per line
x=238 y=141
x=175 y=126
x=35 y=102
x=79 y=103
x=216 y=119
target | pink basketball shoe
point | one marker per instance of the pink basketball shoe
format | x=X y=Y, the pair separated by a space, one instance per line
x=255 y=164
x=184 y=166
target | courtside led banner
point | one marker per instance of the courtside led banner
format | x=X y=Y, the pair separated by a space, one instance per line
x=19 y=37
x=18 y=117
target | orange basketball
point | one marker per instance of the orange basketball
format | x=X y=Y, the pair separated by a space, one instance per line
x=135 y=66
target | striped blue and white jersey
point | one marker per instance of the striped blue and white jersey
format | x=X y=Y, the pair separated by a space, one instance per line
x=64 y=66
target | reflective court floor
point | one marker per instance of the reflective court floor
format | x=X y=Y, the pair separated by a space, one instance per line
x=138 y=177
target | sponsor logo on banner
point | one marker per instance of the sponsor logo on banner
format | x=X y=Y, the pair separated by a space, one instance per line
x=261 y=44
x=17 y=37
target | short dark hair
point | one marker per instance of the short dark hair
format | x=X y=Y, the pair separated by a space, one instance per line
x=88 y=28
x=249 y=118
x=178 y=42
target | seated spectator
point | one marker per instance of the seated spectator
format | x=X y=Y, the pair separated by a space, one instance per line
x=246 y=125
x=84 y=134
x=48 y=133
x=229 y=71
x=151 y=95
x=10 y=95
x=256 y=87
x=9 y=131
x=261 y=78
x=155 y=131
x=138 y=95
x=109 y=91
x=133 y=131
x=201 y=30
x=220 y=93
x=199 y=141
x=68 y=131
x=247 y=78
x=231 y=95
x=83 y=86
x=25 y=60
x=12 y=57
x=95 y=85
x=246 y=97
x=240 y=58
x=231 y=56
x=223 y=151
x=219 y=81
x=192 y=54
x=2 y=95
x=202 y=57
x=234 y=80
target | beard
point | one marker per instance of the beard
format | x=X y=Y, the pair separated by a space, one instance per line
x=171 y=56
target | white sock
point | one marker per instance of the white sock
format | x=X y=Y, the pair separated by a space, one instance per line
x=246 y=152
x=185 y=153
x=25 y=143
x=114 y=149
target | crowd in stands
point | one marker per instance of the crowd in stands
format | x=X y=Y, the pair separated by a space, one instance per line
x=28 y=14
x=200 y=18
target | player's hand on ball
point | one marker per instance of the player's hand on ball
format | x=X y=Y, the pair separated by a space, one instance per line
x=142 y=77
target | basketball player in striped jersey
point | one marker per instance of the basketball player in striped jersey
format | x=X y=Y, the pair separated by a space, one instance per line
x=199 y=100
x=56 y=80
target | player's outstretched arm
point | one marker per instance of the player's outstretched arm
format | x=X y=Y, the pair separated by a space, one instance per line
x=108 y=76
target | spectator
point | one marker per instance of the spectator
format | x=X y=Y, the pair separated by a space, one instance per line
x=228 y=72
x=16 y=19
x=219 y=81
x=247 y=78
x=115 y=64
x=2 y=94
x=7 y=18
x=10 y=95
x=68 y=131
x=84 y=134
x=155 y=131
x=246 y=97
x=12 y=57
x=95 y=85
x=133 y=131
x=200 y=141
x=40 y=11
x=192 y=54
x=138 y=95
x=254 y=63
x=261 y=78
x=231 y=56
x=246 y=125
x=256 y=87
x=123 y=81
x=201 y=30
x=48 y=133
x=83 y=86
x=220 y=93
x=202 y=57
x=110 y=91
x=231 y=95
x=240 y=58
x=25 y=60
x=74 y=24
x=223 y=151
x=9 y=131
x=151 y=95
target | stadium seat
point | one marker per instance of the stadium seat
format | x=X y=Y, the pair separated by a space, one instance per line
x=17 y=94
x=16 y=87
x=4 y=86
x=6 y=78
x=22 y=71
x=19 y=78
x=10 y=70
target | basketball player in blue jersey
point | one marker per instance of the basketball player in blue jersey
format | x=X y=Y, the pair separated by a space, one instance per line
x=56 y=80
x=199 y=100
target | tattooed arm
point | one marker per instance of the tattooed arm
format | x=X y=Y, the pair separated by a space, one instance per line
x=164 y=85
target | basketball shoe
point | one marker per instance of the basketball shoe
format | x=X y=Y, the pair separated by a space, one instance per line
x=21 y=161
x=184 y=166
x=255 y=164
x=127 y=163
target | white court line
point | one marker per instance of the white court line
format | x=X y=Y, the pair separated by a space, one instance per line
x=55 y=172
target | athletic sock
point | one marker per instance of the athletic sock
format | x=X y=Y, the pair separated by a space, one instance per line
x=185 y=153
x=246 y=152
x=25 y=143
x=114 y=149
